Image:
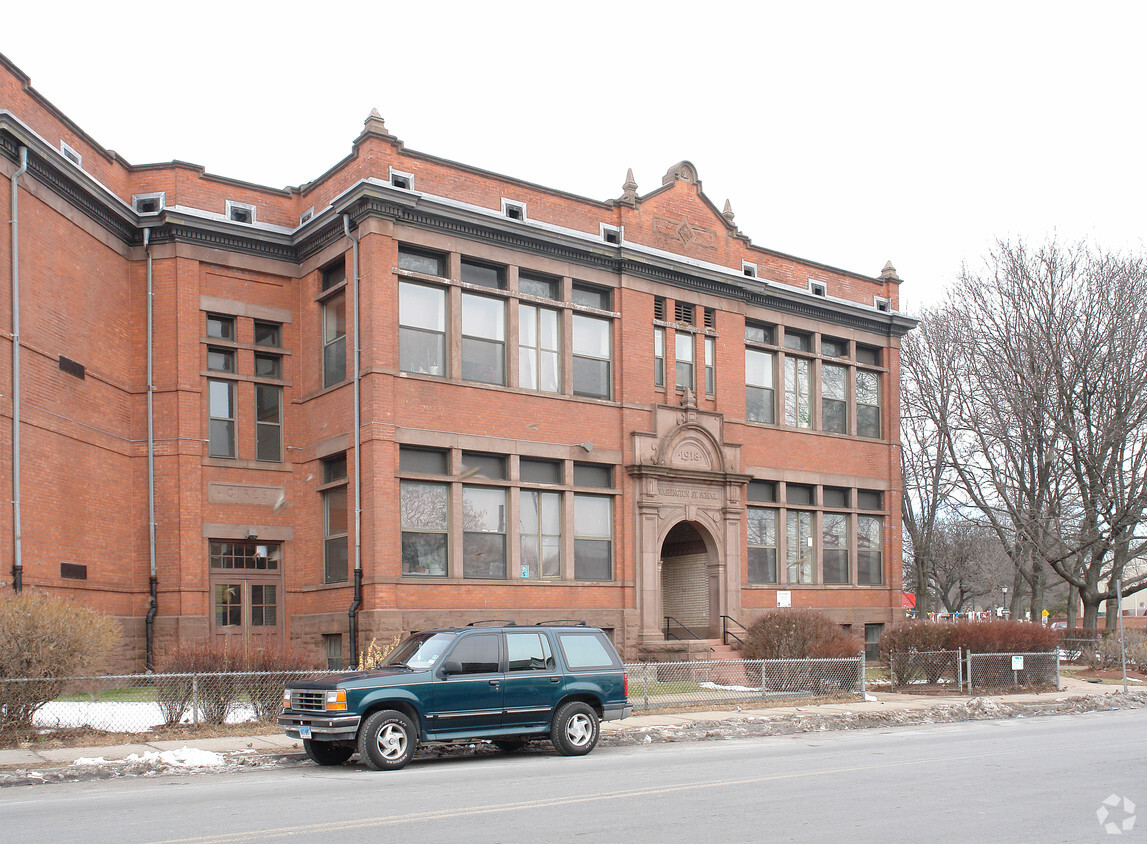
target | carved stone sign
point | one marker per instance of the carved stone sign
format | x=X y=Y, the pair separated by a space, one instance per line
x=221 y=493
x=678 y=493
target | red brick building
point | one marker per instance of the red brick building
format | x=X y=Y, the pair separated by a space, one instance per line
x=618 y=410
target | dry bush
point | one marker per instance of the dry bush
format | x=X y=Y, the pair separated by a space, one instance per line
x=798 y=634
x=43 y=640
x=1000 y=637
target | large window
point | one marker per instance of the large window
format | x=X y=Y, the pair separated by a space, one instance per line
x=483 y=339
x=762 y=563
x=541 y=533
x=425 y=511
x=593 y=537
x=867 y=404
x=591 y=357
x=221 y=423
x=834 y=547
x=483 y=532
x=683 y=346
x=760 y=395
x=798 y=392
x=869 y=547
x=268 y=422
x=334 y=339
x=421 y=329
x=800 y=555
x=335 y=519
x=833 y=398
x=539 y=349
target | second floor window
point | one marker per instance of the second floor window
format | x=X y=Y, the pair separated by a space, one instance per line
x=683 y=345
x=268 y=422
x=867 y=404
x=483 y=339
x=334 y=340
x=833 y=398
x=591 y=357
x=760 y=394
x=798 y=392
x=221 y=423
x=539 y=349
x=421 y=329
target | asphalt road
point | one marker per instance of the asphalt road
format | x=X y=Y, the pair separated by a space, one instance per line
x=1037 y=779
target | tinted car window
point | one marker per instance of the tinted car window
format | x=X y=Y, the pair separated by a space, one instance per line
x=586 y=650
x=528 y=652
x=477 y=654
x=421 y=651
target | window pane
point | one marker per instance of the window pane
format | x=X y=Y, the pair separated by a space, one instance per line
x=868 y=421
x=421 y=352
x=591 y=559
x=758 y=368
x=834 y=416
x=762 y=491
x=835 y=496
x=834 y=348
x=762 y=565
x=424 y=554
x=537 y=286
x=220 y=360
x=228 y=609
x=798 y=494
x=592 y=297
x=268 y=443
x=483 y=509
x=591 y=378
x=834 y=543
x=221 y=393
x=798 y=341
x=683 y=349
x=593 y=515
x=421 y=262
x=833 y=381
x=483 y=555
x=593 y=475
x=869 y=545
x=483 y=274
x=591 y=336
x=422 y=307
x=477 y=654
x=268 y=334
x=483 y=317
x=756 y=333
x=335 y=504
x=269 y=366
x=422 y=460
x=267 y=403
x=762 y=524
x=334 y=318
x=483 y=361
x=540 y=471
x=221 y=327
x=334 y=468
x=528 y=652
x=797 y=393
x=867 y=387
x=759 y=405
x=424 y=506
x=799 y=545
x=334 y=362
x=483 y=466
x=867 y=499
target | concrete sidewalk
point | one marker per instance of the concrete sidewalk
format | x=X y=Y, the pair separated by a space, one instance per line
x=277 y=743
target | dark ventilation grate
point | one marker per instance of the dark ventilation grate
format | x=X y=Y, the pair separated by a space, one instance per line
x=659 y=308
x=683 y=313
x=72 y=367
x=73 y=571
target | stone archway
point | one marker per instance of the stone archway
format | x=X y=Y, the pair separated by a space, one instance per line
x=686 y=587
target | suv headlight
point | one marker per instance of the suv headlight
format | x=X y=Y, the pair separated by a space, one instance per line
x=286 y=698
x=336 y=699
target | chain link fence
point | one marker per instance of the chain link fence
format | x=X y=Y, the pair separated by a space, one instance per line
x=990 y=672
x=924 y=671
x=666 y=685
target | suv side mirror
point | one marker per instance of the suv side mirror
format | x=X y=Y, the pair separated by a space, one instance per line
x=451 y=666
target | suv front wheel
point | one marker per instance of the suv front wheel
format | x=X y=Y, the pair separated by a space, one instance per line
x=575 y=729
x=387 y=740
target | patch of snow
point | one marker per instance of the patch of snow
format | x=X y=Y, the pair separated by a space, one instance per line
x=869 y=698
x=185 y=757
x=716 y=687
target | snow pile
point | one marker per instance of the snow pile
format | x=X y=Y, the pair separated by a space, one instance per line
x=185 y=757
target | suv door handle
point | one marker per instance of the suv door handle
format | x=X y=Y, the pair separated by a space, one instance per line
x=555 y=679
x=494 y=682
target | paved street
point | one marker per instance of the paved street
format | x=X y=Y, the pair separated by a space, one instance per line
x=1023 y=779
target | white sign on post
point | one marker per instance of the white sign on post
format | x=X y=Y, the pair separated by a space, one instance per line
x=1017 y=663
x=784 y=598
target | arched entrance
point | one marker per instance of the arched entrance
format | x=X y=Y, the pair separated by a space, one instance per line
x=686 y=587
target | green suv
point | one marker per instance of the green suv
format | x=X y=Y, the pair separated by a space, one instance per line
x=496 y=681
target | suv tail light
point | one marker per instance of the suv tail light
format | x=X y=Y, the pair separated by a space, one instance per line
x=627 y=684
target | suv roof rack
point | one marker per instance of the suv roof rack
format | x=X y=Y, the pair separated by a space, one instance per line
x=562 y=622
x=493 y=622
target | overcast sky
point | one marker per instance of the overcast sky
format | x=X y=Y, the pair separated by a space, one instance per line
x=846 y=133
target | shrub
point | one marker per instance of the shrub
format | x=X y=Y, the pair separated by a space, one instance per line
x=798 y=634
x=919 y=636
x=997 y=637
x=227 y=674
x=43 y=640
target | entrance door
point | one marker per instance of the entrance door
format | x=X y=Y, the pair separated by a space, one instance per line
x=685 y=583
x=246 y=595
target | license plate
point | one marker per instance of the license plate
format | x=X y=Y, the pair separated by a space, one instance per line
x=304 y=731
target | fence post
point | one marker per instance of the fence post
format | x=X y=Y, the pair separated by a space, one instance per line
x=969 y=671
x=863 y=672
x=645 y=683
x=892 y=671
x=1058 y=687
x=960 y=669
x=195 y=699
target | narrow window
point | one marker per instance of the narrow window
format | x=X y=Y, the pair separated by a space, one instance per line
x=591 y=357
x=483 y=339
x=834 y=547
x=483 y=532
x=867 y=404
x=683 y=345
x=221 y=425
x=539 y=349
x=799 y=550
x=425 y=519
x=710 y=366
x=333 y=646
x=335 y=520
x=268 y=423
x=833 y=400
x=869 y=550
x=334 y=340
x=760 y=394
x=333 y=274
x=872 y=634
x=659 y=357
x=540 y=528
x=798 y=393
x=421 y=329
x=762 y=563
x=593 y=537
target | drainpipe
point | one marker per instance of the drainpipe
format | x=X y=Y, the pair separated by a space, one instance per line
x=17 y=558
x=153 y=582
x=352 y=613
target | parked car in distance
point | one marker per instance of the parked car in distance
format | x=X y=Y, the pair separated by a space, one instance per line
x=490 y=680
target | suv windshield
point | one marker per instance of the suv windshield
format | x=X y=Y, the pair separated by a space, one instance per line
x=422 y=650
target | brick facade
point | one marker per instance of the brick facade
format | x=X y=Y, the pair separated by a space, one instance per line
x=460 y=437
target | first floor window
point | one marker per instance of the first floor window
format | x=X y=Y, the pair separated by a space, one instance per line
x=867 y=404
x=762 y=563
x=798 y=393
x=869 y=550
x=483 y=532
x=334 y=340
x=425 y=521
x=872 y=634
x=833 y=400
x=333 y=645
x=591 y=357
x=335 y=535
x=228 y=604
x=759 y=390
x=683 y=344
x=834 y=547
x=221 y=413
x=799 y=551
x=483 y=339
x=593 y=537
x=264 y=610
x=421 y=329
x=268 y=423
x=541 y=533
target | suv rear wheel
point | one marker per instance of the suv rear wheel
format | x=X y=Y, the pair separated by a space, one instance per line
x=575 y=729
x=387 y=740
x=326 y=753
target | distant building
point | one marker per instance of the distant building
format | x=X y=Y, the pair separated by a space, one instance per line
x=622 y=411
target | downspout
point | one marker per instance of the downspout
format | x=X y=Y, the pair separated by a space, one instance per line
x=153 y=582
x=17 y=558
x=352 y=613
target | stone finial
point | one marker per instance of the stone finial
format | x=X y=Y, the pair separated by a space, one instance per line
x=889 y=272
x=629 y=189
x=375 y=124
x=688 y=400
x=683 y=171
x=728 y=212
